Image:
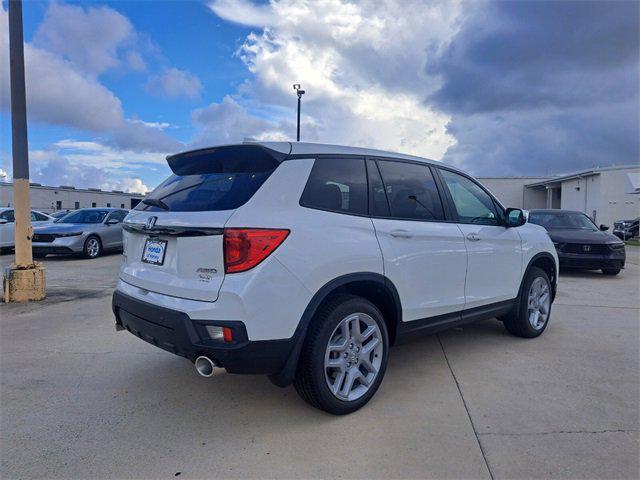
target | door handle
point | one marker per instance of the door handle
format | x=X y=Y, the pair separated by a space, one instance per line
x=400 y=234
x=473 y=237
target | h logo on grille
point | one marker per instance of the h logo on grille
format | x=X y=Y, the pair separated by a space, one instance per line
x=151 y=221
x=586 y=248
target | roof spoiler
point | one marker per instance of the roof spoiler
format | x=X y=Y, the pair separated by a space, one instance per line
x=238 y=158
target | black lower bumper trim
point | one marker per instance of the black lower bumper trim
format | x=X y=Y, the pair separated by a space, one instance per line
x=52 y=250
x=591 y=262
x=175 y=332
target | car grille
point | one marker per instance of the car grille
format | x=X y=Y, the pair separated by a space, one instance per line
x=586 y=248
x=43 y=238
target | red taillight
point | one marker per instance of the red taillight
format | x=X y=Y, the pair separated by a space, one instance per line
x=244 y=248
x=227 y=334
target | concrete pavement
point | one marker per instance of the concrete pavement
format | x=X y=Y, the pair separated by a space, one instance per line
x=79 y=400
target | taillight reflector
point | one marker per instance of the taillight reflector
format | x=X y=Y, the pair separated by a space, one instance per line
x=244 y=248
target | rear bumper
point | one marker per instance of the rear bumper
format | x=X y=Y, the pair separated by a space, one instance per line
x=175 y=332
x=591 y=262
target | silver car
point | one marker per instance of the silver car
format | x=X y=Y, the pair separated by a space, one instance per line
x=7 y=226
x=88 y=231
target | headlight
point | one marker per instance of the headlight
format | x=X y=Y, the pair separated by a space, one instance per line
x=70 y=234
x=617 y=245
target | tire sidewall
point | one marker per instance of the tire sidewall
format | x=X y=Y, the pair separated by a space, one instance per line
x=534 y=273
x=86 y=243
x=351 y=306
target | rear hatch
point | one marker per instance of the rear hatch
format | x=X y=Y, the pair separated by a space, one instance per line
x=174 y=238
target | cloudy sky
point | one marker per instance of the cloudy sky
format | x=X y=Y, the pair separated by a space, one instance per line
x=513 y=88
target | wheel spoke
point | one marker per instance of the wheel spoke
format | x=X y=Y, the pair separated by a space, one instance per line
x=337 y=383
x=370 y=330
x=363 y=379
x=354 y=327
x=348 y=383
x=366 y=363
x=368 y=348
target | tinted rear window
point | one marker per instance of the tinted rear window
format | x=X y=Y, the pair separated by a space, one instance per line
x=337 y=184
x=207 y=192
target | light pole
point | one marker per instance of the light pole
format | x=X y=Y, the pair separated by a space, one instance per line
x=25 y=279
x=299 y=92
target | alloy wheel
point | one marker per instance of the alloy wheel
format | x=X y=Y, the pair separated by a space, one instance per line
x=93 y=247
x=539 y=303
x=353 y=356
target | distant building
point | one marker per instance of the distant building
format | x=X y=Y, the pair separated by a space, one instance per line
x=49 y=199
x=605 y=194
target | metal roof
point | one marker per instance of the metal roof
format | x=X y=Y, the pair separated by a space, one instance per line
x=579 y=174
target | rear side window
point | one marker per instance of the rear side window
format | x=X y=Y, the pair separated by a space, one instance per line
x=411 y=191
x=337 y=184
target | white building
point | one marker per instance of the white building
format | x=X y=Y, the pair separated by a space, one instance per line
x=50 y=199
x=605 y=194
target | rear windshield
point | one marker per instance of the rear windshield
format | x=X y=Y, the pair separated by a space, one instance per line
x=207 y=192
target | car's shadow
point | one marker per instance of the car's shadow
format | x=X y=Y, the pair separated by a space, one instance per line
x=63 y=257
x=576 y=273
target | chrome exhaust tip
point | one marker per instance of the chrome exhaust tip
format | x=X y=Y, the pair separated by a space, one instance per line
x=205 y=366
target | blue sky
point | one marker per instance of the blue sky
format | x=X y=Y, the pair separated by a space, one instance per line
x=512 y=88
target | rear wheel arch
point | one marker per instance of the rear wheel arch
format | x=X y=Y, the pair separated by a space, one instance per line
x=374 y=287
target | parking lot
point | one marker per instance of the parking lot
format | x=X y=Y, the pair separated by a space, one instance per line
x=80 y=400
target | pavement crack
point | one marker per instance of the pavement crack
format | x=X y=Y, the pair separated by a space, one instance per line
x=466 y=408
x=557 y=432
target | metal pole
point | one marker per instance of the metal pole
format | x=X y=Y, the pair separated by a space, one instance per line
x=298 y=134
x=20 y=146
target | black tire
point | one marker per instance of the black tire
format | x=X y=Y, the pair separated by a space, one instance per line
x=517 y=321
x=88 y=251
x=310 y=382
x=611 y=271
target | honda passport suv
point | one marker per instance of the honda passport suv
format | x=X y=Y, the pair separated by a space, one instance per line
x=306 y=262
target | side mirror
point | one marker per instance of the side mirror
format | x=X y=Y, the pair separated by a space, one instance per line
x=3 y=221
x=604 y=228
x=113 y=221
x=515 y=217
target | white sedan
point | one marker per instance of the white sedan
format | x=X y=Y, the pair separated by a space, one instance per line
x=7 y=225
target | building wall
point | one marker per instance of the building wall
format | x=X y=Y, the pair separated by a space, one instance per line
x=615 y=204
x=601 y=196
x=46 y=199
x=511 y=192
x=573 y=195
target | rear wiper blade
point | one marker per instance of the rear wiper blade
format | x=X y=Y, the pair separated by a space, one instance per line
x=154 y=202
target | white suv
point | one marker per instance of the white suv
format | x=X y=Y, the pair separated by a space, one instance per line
x=306 y=262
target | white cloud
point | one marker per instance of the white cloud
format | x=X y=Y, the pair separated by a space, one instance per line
x=243 y=12
x=91 y=164
x=173 y=82
x=131 y=185
x=4 y=176
x=229 y=122
x=59 y=92
x=362 y=65
x=91 y=39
